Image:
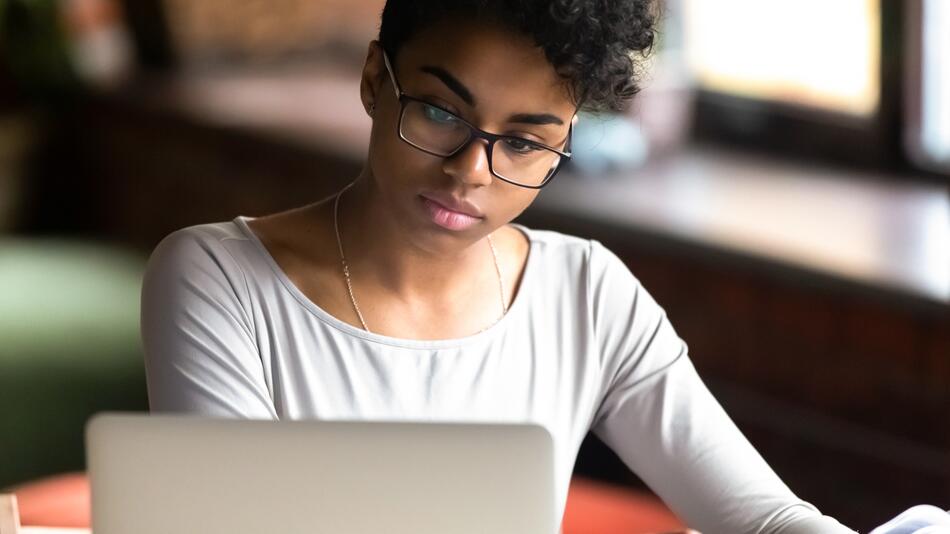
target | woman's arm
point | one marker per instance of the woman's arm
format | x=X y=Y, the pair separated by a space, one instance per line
x=197 y=335
x=660 y=418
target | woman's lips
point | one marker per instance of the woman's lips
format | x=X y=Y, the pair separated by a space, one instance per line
x=447 y=218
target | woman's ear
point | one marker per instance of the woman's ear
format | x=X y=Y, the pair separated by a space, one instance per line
x=372 y=78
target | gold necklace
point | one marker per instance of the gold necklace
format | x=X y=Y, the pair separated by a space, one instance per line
x=346 y=269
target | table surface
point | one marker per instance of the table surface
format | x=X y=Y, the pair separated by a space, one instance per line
x=874 y=230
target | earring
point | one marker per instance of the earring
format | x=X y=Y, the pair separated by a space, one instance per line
x=372 y=107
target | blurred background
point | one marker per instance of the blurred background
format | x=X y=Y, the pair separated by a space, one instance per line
x=780 y=186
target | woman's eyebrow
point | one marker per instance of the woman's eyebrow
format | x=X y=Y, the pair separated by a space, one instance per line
x=459 y=88
x=451 y=82
x=535 y=118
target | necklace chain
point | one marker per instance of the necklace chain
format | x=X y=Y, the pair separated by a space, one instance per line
x=346 y=268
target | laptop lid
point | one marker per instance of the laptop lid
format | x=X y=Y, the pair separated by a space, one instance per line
x=164 y=474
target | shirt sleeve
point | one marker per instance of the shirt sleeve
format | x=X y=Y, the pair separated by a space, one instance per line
x=197 y=337
x=661 y=420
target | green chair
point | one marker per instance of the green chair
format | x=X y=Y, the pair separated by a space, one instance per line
x=69 y=347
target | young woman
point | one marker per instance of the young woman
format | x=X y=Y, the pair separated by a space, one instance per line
x=411 y=295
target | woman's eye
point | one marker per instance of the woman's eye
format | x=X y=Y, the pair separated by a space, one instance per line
x=519 y=145
x=435 y=114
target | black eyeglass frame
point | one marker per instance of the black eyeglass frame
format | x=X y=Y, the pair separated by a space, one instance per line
x=475 y=133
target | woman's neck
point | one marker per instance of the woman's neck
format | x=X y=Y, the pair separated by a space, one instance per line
x=387 y=252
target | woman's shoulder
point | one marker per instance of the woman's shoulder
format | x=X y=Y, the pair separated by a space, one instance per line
x=199 y=251
x=573 y=258
x=268 y=234
x=203 y=239
x=553 y=242
x=211 y=232
x=557 y=246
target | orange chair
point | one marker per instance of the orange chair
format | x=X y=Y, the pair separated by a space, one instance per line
x=56 y=501
x=592 y=507
x=597 y=508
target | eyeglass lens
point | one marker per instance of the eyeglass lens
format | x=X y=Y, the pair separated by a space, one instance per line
x=438 y=132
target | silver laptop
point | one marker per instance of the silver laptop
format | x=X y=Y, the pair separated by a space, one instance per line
x=183 y=474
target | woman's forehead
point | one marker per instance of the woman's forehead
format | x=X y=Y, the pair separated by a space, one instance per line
x=496 y=66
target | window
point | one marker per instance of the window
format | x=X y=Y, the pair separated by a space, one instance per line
x=928 y=85
x=811 y=53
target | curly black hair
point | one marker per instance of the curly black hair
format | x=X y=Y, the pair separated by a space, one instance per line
x=596 y=46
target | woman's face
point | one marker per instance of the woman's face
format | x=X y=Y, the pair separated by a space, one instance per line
x=488 y=76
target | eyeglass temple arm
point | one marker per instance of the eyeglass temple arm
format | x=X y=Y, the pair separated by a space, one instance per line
x=392 y=75
x=567 y=152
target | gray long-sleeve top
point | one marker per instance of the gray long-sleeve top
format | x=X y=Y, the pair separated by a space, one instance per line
x=583 y=347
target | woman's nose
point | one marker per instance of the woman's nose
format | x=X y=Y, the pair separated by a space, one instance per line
x=470 y=164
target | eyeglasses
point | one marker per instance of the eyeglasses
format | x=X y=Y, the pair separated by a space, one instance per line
x=435 y=131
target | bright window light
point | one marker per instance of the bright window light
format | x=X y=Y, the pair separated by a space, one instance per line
x=935 y=116
x=813 y=53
